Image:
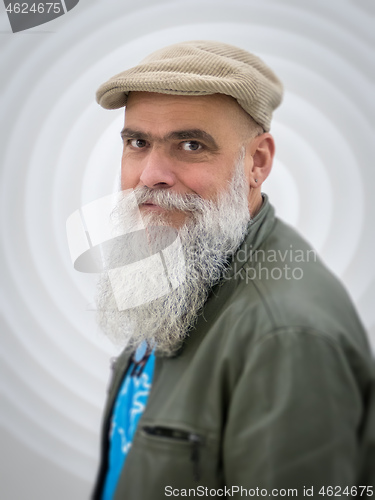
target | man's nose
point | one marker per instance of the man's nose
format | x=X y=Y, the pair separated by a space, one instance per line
x=158 y=170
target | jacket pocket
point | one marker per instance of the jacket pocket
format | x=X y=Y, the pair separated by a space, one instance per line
x=191 y=439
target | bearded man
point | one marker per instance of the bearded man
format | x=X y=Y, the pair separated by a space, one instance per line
x=254 y=374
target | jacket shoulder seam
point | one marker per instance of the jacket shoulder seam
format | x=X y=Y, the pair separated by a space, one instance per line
x=265 y=305
x=306 y=330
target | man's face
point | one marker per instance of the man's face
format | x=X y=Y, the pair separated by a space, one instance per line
x=184 y=144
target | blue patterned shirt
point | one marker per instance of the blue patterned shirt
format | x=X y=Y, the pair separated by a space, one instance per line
x=130 y=404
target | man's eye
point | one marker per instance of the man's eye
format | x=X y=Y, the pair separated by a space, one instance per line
x=137 y=143
x=191 y=146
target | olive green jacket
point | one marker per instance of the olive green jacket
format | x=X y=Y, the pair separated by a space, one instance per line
x=273 y=389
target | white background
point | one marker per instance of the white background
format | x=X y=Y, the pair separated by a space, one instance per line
x=60 y=150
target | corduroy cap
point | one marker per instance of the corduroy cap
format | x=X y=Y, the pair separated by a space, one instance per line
x=200 y=68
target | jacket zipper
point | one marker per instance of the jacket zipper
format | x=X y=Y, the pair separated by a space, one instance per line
x=195 y=440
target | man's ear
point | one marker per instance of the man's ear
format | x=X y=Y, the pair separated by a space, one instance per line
x=262 y=150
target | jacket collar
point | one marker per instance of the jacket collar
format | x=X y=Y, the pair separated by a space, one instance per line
x=258 y=230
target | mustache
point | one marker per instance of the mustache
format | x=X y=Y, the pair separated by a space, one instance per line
x=170 y=201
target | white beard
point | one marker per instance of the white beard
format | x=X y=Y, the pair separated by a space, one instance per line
x=212 y=234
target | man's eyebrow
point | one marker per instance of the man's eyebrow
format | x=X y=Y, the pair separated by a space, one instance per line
x=133 y=134
x=189 y=134
x=193 y=134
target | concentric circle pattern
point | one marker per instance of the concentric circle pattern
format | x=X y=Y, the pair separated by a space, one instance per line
x=60 y=150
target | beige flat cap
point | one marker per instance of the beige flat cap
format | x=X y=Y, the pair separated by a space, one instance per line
x=200 y=68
